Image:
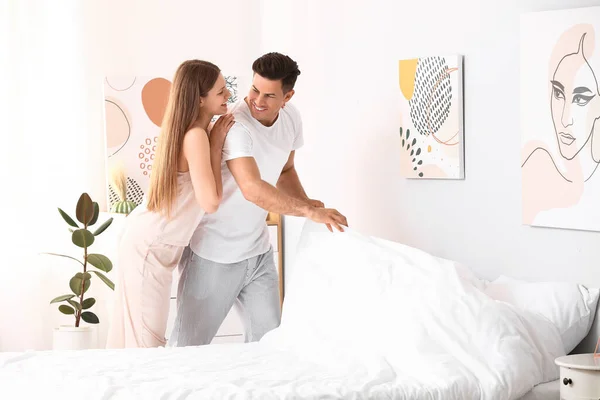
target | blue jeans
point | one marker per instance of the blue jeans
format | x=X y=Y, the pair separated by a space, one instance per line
x=207 y=290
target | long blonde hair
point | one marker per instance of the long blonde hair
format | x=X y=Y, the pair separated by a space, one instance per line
x=193 y=80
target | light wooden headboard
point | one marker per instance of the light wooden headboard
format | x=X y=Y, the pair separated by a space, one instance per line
x=588 y=344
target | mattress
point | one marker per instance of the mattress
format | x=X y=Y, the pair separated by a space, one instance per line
x=230 y=371
x=226 y=371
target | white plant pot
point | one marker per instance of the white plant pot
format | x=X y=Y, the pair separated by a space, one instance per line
x=68 y=337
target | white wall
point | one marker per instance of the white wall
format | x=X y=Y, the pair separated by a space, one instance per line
x=44 y=165
x=349 y=96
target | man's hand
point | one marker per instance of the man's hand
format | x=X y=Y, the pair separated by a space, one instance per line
x=329 y=217
x=315 y=203
x=318 y=204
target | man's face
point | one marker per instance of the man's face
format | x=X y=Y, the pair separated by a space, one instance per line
x=266 y=98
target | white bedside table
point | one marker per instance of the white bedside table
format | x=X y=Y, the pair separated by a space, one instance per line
x=579 y=377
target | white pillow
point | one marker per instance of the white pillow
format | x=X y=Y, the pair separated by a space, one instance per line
x=569 y=306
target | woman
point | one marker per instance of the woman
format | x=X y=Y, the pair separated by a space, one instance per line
x=185 y=183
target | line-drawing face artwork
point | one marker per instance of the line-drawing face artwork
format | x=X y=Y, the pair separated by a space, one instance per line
x=561 y=146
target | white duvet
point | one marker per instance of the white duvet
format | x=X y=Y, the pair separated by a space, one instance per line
x=363 y=319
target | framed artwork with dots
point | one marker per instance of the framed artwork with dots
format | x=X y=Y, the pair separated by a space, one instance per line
x=431 y=133
x=133 y=111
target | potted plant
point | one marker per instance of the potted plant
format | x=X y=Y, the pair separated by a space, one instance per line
x=76 y=303
x=119 y=183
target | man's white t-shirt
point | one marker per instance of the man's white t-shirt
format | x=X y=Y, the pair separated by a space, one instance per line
x=238 y=231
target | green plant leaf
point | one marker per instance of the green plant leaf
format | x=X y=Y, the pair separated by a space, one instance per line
x=103 y=227
x=82 y=275
x=82 y=238
x=68 y=219
x=75 y=304
x=75 y=284
x=62 y=298
x=65 y=309
x=87 y=303
x=62 y=255
x=89 y=317
x=85 y=209
x=96 y=213
x=105 y=280
x=101 y=262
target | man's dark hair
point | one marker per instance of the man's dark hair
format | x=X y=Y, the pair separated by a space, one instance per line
x=277 y=67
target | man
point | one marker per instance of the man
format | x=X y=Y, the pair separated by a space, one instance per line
x=230 y=255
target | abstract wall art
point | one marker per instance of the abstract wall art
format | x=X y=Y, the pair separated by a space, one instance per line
x=133 y=109
x=431 y=117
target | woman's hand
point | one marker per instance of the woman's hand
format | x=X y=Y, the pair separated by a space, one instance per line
x=220 y=129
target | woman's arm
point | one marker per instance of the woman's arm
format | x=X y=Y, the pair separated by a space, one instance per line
x=203 y=156
x=199 y=157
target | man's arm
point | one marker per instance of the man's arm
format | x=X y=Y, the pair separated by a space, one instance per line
x=246 y=174
x=266 y=196
x=289 y=182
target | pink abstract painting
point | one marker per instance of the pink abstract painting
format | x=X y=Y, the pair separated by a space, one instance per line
x=134 y=107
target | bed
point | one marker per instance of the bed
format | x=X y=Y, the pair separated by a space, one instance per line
x=363 y=318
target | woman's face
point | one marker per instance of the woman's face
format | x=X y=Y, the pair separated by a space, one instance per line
x=574 y=103
x=215 y=102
